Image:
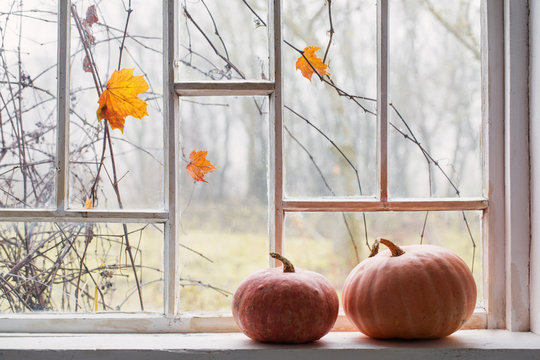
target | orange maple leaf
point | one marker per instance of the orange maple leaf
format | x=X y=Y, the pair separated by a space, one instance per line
x=199 y=166
x=88 y=204
x=120 y=99
x=317 y=63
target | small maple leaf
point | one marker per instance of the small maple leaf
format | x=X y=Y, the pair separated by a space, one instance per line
x=120 y=99
x=199 y=166
x=88 y=204
x=317 y=63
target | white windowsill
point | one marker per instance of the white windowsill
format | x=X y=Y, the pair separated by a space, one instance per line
x=474 y=344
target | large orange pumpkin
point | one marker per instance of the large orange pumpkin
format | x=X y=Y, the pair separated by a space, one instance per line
x=285 y=305
x=414 y=292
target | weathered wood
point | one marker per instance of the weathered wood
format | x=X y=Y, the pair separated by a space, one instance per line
x=154 y=323
x=333 y=205
x=382 y=97
x=172 y=167
x=534 y=136
x=516 y=143
x=224 y=88
x=275 y=162
x=63 y=90
x=493 y=160
x=83 y=216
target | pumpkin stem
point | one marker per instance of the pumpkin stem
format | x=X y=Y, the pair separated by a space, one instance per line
x=394 y=249
x=374 y=248
x=287 y=265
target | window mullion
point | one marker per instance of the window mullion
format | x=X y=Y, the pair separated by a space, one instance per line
x=225 y=88
x=382 y=97
x=517 y=196
x=338 y=205
x=275 y=143
x=83 y=216
x=62 y=126
x=493 y=160
x=171 y=140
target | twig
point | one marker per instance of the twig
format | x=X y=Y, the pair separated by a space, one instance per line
x=321 y=175
x=333 y=143
x=189 y=282
x=129 y=10
x=331 y=31
x=254 y=12
x=227 y=61
x=107 y=140
x=216 y=31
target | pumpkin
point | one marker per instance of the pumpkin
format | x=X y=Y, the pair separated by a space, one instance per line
x=285 y=305
x=414 y=292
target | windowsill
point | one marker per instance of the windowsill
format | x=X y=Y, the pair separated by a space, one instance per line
x=477 y=344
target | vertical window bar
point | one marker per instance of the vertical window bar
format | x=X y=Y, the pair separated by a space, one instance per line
x=382 y=97
x=275 y=143
x=493 y=160
x=517 y=196
x=171 y=141
x=62 y=125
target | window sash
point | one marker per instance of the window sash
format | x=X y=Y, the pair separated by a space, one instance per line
x=278 y=205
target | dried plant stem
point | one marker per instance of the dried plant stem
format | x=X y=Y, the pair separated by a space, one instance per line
x=107 y=141
x=129 y=10
x=330 y=32
x=216 y=51
x=328 y=187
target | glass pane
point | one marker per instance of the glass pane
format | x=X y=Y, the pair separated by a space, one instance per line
x=28 y=103
x=334 y=239
x=436 y=87
x=225 y=221
x=138 y=150
x=223 y=40
x=330 y=140
x=80 y=267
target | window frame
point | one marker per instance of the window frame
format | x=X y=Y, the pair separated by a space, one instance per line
x=503 y=88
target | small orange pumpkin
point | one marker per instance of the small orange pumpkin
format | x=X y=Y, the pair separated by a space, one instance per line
x=285 y=305
x=414 y=292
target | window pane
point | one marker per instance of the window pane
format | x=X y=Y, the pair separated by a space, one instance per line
x=223 y=40
x=436 y=87
x=329 y=238
x=69 y=267
x=225 y=221
x=138 y=151
x=330 y=140
x=28 y=103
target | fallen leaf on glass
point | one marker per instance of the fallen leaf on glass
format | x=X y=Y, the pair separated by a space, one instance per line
x=199 y=166
x=120 y=99
x=316 y=63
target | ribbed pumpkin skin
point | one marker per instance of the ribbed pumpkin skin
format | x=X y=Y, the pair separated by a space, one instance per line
x=272 y=306
x=428 y=292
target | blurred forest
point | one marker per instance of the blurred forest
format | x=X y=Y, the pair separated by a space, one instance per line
x=329 y=144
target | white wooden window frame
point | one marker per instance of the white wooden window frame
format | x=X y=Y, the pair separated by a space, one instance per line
x=505 y=204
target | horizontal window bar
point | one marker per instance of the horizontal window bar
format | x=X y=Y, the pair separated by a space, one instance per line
x=224 y=88
x=112 y=216
x=155 y=323
x=340 y=205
